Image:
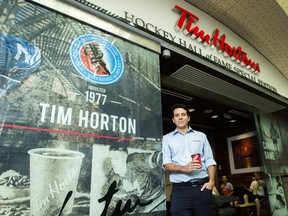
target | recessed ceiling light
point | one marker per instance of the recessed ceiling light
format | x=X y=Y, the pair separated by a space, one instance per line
x=191 y=110
x=232 y=120
x=208 y=111
x=214 y=116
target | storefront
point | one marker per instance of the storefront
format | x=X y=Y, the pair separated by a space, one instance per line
x=81 y=115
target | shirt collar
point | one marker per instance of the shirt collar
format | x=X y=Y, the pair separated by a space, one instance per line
x=177 y=131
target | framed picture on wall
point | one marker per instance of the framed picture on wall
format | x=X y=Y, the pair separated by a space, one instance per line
x=243 y=152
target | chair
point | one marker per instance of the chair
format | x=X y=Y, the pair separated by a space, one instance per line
x=221 y=205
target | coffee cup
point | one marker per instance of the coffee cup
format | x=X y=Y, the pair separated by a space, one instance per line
x=53 y=174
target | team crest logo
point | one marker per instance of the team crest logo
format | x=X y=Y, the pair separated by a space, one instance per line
x=19 y=58
x=96 y=59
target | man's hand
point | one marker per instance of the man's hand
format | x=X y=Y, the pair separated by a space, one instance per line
x=191 y=166
x=209 y=185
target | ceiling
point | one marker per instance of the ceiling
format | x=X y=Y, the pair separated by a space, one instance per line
x=263 y=24
x=202 y=101
x=203 y=113
x=265 y=27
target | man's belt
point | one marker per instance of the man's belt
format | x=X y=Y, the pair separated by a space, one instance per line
x=193 y=183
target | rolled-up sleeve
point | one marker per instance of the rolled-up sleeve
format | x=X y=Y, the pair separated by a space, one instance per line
x=166 y=152
x=208 y=154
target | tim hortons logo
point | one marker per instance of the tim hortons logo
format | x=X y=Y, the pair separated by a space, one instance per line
x=186 y=23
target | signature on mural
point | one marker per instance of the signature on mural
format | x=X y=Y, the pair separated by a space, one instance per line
x=128 y=206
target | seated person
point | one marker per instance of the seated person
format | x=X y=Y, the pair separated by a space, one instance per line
x=257 y=194
x=226 y=187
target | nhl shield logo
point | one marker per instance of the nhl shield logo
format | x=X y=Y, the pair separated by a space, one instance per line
x=96 y=59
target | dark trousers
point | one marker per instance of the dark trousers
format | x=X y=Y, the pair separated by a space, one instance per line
x=191 y=201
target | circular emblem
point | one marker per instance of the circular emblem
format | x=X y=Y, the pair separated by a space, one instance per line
x=96 y=59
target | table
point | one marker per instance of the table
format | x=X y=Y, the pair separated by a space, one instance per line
x=218 y=201
x=245 y=208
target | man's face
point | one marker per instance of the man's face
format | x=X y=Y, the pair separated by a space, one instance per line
x=180 y=118
x=118 y=161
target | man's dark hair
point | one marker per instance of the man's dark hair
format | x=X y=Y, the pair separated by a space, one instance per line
x=176 y=106
x=120 y=145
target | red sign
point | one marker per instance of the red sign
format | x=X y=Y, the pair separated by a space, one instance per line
x=215 y=41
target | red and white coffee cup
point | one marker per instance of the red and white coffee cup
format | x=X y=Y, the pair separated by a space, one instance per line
x=196 y=158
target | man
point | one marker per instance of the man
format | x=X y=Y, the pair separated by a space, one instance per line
x=192 y=181
x=257 y=190
x=226 y=187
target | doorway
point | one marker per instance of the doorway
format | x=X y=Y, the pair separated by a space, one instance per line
x=210 y=113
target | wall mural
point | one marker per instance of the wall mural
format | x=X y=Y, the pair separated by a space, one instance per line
x=80 y=118
x=274 y=139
